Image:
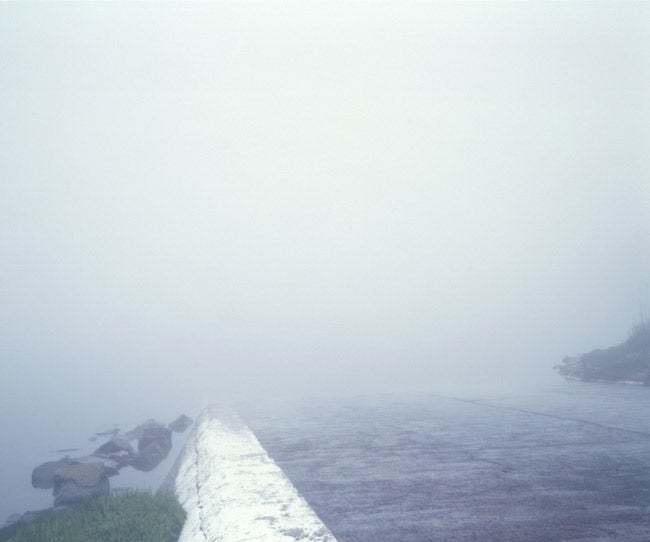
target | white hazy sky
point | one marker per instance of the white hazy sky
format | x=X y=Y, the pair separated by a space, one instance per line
x=215 y=198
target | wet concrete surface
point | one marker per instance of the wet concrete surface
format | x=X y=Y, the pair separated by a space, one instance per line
x=568 y=463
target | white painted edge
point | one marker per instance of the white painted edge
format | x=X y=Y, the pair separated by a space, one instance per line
x=233 y=491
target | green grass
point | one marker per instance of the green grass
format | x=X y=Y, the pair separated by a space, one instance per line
x=123 y=518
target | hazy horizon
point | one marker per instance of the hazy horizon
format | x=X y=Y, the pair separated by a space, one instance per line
x=223 y=200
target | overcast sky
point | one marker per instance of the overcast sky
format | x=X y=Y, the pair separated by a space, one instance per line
x=213 y=199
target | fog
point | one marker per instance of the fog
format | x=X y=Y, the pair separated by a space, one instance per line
x=218 y=200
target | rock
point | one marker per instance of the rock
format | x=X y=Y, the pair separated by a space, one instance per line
x=180 y=424
x=76 y=478
x=118 y=449
x=82 y=474
x=73 y=483
x=154 y=446
x=108 y=433
x=111 y=466
x=43 y=475
x=137 y=432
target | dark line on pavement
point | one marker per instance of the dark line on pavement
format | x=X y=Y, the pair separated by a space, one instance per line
x=554 y=416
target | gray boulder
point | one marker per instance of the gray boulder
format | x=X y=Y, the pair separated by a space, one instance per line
x=118 y=450
x=153 y=446
x=73 y=483
x=137 y=432
x=112 y=468
x=108 y=433
x=180 y=424
x=43 y=475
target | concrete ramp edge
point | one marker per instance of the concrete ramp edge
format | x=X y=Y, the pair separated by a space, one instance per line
x=233 y=491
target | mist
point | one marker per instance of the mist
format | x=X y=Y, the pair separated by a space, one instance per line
x=203 y=201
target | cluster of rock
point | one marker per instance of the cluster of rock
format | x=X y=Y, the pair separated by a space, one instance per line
x=73 y=479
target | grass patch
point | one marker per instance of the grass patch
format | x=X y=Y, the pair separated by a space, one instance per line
x=128 y=517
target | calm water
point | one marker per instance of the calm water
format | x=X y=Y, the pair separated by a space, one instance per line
x=570 y=462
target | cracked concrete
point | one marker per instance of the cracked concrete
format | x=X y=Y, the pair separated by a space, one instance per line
x=568 y=463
